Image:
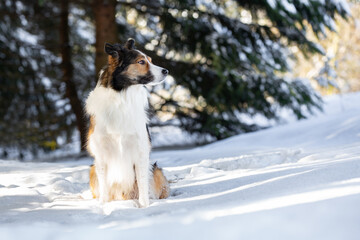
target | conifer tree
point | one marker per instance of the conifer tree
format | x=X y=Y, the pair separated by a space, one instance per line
x=230 y=55
x=35 y=106
x=29 y=115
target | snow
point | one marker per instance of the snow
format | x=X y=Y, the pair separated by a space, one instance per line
x=288 y=6
x=295 y=181
x=27 y=37
x=342 y=5
x=272 y=3
x=305 y=2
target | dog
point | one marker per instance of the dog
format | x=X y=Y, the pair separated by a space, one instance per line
x=118 y=136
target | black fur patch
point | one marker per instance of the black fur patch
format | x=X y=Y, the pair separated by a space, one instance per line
x=155 y=166
x=121 y=82
x=148 y=132
x=146 y=78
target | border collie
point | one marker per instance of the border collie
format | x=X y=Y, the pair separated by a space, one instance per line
x=118 y=136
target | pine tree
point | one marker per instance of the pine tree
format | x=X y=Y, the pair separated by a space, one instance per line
x=229 y=55
x=29 y=116
x=105 y=29
x=36 y=108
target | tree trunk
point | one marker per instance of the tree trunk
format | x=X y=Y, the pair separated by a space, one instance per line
x=105 y=28
x=67 y=69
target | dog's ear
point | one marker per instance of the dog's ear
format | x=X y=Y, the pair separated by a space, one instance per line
x=111 y=50
x=130 y=43
x=116 y=53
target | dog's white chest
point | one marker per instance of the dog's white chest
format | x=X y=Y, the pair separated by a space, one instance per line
x=119 y=112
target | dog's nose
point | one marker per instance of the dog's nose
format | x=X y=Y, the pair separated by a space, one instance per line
x=164 y=71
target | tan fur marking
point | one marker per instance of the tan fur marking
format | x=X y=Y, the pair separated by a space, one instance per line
x=90 y=131
x=105 y=77
x=113 y=63
x=93 y=182
x=135 y=70
x=92 y=126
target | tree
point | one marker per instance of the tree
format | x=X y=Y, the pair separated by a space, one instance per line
x=105 y=29
x=40 y=105
x=30 y=115
x=230 y=56
x=338 y=71
x=67 y=77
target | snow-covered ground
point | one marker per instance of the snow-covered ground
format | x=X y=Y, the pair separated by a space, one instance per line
x=296 y=181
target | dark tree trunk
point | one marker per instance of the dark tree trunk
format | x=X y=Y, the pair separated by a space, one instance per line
x=67 y=69
x=105 y=28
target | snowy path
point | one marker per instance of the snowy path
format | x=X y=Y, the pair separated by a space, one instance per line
x=297 y=181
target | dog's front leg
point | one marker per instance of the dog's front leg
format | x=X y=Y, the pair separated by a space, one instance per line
x=142 y=177
x=103 y=189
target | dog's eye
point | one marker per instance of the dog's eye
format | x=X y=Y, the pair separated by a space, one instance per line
x=142 y=62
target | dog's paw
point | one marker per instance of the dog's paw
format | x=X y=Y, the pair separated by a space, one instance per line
x=104 y=198
x=107 y=209
x=144 y=202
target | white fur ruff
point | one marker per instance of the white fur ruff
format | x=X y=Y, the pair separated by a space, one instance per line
x=120 y=141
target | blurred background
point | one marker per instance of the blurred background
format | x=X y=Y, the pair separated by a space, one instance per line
x=236 y=65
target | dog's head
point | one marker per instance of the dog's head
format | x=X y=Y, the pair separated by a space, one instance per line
x=128 y=66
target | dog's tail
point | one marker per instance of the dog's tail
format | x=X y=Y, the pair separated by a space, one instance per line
x=161 y=184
